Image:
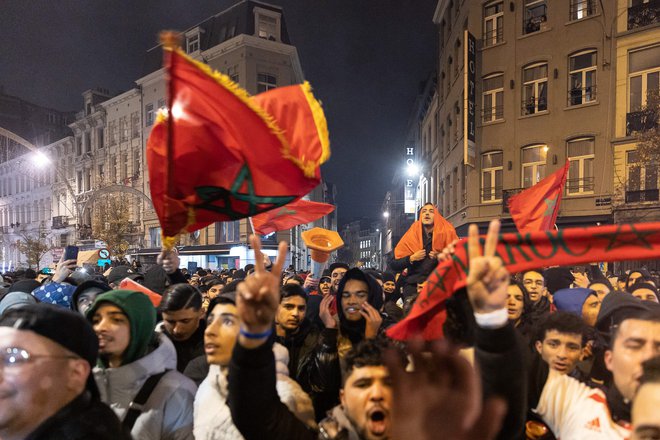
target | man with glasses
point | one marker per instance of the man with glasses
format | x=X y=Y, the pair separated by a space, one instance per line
x=535 y=285
x=46 y=387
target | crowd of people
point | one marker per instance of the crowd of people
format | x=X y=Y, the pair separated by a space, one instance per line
x=266 y=353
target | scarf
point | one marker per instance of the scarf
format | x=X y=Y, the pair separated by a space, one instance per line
x=413 y=241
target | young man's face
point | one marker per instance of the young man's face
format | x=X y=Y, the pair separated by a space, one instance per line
x=366 y=399
x=633 y=277
x=645 y=295
x=426 y=215
x=645 y=414
x=291 y=312
x=515 y=302
x=388 y=287
x=336 y=276
x=356 y=293
x=590 y=310
x=113 y=330
x=324 y=285
x=182 y=324
x=214 y=291
x=561 y=351
x=636 y=341
x=220 y=335
x=535 y=285
x=601 y=289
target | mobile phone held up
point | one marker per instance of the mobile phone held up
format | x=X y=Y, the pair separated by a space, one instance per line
x=71 y=253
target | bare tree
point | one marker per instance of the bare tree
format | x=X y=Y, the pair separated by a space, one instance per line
x=34 y=247
x=111 y=223
x=648 y=136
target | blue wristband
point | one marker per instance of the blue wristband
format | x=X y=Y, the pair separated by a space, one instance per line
x=256 y=335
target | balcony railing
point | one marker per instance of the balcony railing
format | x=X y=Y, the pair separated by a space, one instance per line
x=491 y=114
x=534 y=24
x=59 y=222
x=640 y=121
x=581 y=95
x=580 y=185
x=534 y=105
x=506 y=194
x=644 y=14
x=582 y=9
x=493 y=36
x=645 y=195
x=491 y=194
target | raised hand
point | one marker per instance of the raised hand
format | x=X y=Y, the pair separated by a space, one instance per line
x=325 y=314
x=418 y=256
x=441 y=398
x=64 y=269
x=488 y=279
x=258 y=296
x=373 y=318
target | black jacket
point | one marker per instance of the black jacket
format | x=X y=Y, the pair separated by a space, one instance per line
x=418 y=271
x=190 y=348
x=82 y=419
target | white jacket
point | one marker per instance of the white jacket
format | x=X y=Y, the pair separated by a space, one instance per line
x=212 y=416
x=168 y=413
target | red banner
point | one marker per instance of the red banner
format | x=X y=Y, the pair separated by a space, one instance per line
x=290 y=215
x=521 y=252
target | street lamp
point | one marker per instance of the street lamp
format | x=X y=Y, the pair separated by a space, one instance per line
x=386 y=214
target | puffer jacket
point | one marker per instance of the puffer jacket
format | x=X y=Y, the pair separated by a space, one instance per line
x=212 y=416
x=168 y=413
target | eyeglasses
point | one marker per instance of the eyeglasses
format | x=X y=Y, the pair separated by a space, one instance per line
x=15 y=356
x=529 y=282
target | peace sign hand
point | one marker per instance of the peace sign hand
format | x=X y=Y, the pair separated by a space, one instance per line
x=488 y=279
x=258 y=296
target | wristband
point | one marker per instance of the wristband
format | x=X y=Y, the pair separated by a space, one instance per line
x=249 y=335
x=492 y=320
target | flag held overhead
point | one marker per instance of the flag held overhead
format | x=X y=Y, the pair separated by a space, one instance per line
x=219 y=154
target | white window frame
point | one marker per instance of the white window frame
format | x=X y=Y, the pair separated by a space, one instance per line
x=644 y=74
x=533 y=165
x=579 y=9
x=536 y=87
x=266 y=34
x=192 y=43
x=490 y=173
x=264 y=84
x=149 y=115
x=497 y=22
x=583 y=186
x=591 y=95
x=490 y=114
x=527 y=17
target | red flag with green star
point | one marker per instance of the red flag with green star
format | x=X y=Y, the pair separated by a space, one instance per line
x=536 y=208
x=290 y=215
x=219 y=154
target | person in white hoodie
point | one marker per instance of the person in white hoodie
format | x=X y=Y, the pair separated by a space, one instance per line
x=212 y=417
x=134 y=360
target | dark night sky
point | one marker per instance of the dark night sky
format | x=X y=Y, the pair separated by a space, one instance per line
x=364 y=58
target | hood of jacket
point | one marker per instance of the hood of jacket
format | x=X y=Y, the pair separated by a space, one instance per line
x=572 y=300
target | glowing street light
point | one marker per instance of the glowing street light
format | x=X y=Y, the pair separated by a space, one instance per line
x=386 y=214
x=413 y=170
x=40 y=160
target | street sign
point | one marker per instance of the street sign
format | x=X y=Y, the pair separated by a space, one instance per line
x=102 y=263
x=104 y=254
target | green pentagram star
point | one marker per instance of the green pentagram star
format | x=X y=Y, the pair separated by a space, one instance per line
x=631 y=237
x=284 y=211
x=210 y=195
x=550 y=203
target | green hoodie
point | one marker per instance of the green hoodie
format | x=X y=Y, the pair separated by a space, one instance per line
x=141 y=316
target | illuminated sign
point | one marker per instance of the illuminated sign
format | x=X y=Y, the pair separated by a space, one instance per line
x=410 y=186
x=469 y=113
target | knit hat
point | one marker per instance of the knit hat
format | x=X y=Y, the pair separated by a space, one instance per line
x=15 y=300
x=120 y=272
x=571 y=300
x=64 y=327
x=389 y=276
x=24 y=286
x=141 y=315
x=155 y=278
x=92 y=287
x=643 y=285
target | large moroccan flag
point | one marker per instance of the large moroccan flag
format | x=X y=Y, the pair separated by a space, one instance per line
x=290 y=215
x=521 y=252
x=219 y=154
x=536 y=208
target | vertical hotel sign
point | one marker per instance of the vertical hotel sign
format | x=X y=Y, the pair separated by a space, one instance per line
x=469 y=110
x=409 y=191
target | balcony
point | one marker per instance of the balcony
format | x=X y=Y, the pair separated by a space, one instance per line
x=533 y=105
x=644 y=14
x=493 y=37
x=580 y=186
x=489 y=195
x=60 y=222
x=640 y=121
x=581 y=95
x=645 y=195
x=492 y=114
x=506 y=195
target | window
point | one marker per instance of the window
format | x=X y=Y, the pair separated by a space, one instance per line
x=80 y=181
x=149 y=115
x=99 y=138
x=580 y=9
x=124 y=166
x=641 y=181
x=534 y=15
x=88 y=142
x=493 y=98
x=491 y=176
x=493 y=23
x=135 y=125
x=533 y=164
x=643 y=13
x=78 y=145
x=459 y=122
x=535 y=89
x=267 y=27
x=113 y=168
x=228 y=232
x=123 y=129
x=136 y=163
x=154 y=237
x=644 y=76
x=192 y=43
x=582 y=78
x=581 y=166
x=454 y=187
x=232 y=73
x=112 y=133
x=265 y=82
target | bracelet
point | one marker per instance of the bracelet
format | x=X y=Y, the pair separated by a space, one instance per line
x=249 y=335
